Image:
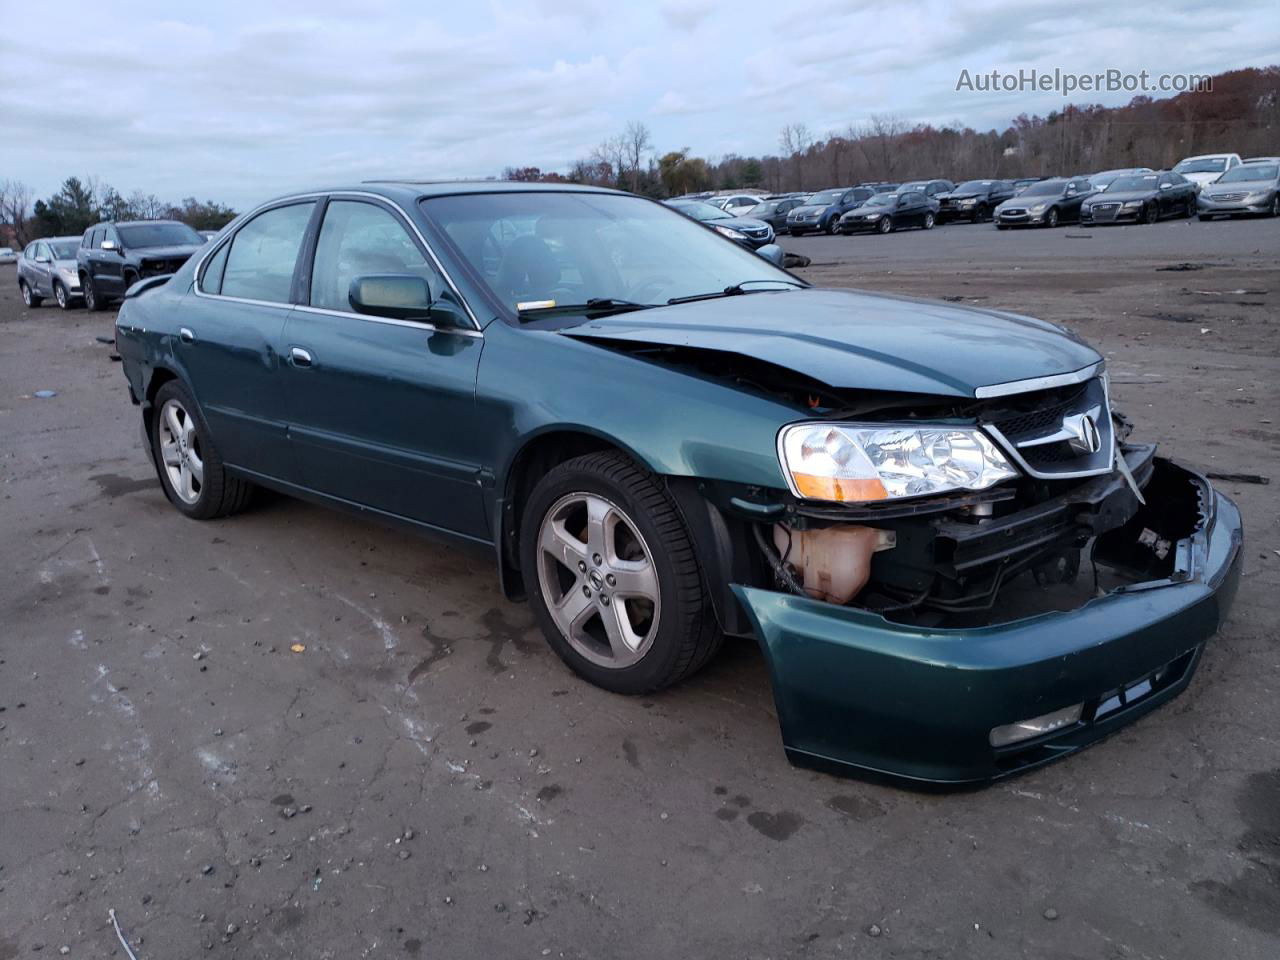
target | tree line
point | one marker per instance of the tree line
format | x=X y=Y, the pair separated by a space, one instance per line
x=79 y=204
x=1239 y=113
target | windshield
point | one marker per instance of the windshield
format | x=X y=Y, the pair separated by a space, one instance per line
x=1251 y=171
x=702 y=211
x=1044 y=188
x=825 y=197
x=1133 y=184
x=881 y=200
x=574 y=247
x=159 y=235
x=974 y=186
x=64 y=249
x=763 y=209
x=1202 y=165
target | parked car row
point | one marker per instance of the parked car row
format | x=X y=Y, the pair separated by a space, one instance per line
x=98 y=267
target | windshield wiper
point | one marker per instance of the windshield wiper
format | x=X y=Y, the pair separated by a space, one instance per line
x=734 y=290
x=596 y=307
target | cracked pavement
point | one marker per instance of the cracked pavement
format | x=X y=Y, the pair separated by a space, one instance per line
x=296 y=733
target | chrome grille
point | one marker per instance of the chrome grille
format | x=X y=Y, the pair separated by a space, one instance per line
x=1060 y=433
x=1228 y=197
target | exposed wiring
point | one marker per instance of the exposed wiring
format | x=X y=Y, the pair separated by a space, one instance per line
x=785 y=576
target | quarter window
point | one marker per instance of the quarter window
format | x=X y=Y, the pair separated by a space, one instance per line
x=211 y=278
x=264 y=253
x=362 y=239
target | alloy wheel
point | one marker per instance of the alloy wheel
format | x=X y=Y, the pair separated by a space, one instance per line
x=598 y=580
x=884 y=225
x=26 y=294
x=60 y=294
x=90 y=294
x=928 y=221
x=180 y=451
x=1051 y=218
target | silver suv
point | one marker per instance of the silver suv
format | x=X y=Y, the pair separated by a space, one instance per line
x=47 y=268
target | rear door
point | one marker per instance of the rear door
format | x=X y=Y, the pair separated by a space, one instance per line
x=42 y=269
x=110 y=277
x=382 y=409
x=233 y=336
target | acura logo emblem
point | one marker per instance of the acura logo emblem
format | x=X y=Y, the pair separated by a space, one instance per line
x=1082 y=433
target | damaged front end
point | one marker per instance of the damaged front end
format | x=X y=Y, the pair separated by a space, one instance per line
x=963 y=637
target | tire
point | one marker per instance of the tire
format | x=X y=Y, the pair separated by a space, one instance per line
x=1051 y=218
x=60 y=294
x=884 y=225
x=187 y=437
x=831 y=227
x=28 y=295
x=1275 y=206
x=1150 y=214
x=92 y=300
x=642 y=537
x=129 y=279
x=1191 y=207
x=929 y=221
x=980 y=213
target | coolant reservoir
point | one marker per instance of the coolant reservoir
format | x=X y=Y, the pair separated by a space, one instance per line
x=832 y=563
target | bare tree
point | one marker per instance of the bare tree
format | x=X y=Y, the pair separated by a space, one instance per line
x=637 y=141
x=878 y=142
x=15 y=209
x=795 y=141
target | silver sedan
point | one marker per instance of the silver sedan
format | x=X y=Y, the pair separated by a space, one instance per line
x=1252 y=187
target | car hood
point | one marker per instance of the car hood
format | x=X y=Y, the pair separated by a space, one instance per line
x=65 y=264
x=959 y=196
x=808 y=208
x=1241 y=186
x=165 y=253
x=855 y=340
x=1202 y=178
x=740 y=223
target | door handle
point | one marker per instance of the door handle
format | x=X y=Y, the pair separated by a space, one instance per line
x=299 y=357
x=185 y=334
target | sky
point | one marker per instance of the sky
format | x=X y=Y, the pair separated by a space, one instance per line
x=238 y=101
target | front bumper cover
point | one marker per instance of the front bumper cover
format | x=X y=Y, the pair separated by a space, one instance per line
x=858 y=694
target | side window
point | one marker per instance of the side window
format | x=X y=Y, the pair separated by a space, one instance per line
x=42 y=250
x=113 y=235
x=264 y=253
x=361 y=239
x=87 y=239
x=95 y=238
x=211 y=278
x=30 y=252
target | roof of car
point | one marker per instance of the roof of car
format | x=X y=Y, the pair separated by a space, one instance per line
x=410 y=187
x=128 y=223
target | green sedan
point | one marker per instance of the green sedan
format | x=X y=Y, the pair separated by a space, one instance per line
x=664 y=440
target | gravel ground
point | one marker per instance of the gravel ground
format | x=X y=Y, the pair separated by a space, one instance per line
x=294 y=733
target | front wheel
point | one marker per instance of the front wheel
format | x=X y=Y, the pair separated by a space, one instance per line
x=980 y=214
x=885 y=225
x=831 y=227
x=1051 y=218
x=612 y=576
x=1275 y=205
x=1150 y=213
x=92 y=299
x=60 y=294
x=189 y=464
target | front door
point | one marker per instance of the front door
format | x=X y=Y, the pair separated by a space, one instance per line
x=382 y=410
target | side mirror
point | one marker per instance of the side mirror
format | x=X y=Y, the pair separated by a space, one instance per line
x=41 y=259
x=773 y=253
x=398 y=296
x=108 y=245
x=1166 y=186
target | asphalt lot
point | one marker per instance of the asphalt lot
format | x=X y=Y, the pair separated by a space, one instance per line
x=424 y=778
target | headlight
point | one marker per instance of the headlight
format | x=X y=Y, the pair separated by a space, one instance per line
x=1038 y=207
x=852 y=463
x=967 y=203
x=1131 y=204
x=69 y=273
x=730 y=233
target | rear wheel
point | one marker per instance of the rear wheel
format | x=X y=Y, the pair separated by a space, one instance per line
x=28 y=295
x=612 y=576
x=190 y=466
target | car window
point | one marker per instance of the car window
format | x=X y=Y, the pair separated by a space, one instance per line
x=42 y=250
x=362 y=239
x=111 y=234
x=95 y=238
x=29 y=253
x=264 y=253
x=211 y=275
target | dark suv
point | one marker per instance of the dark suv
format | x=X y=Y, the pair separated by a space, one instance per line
x=974 y=200
x=114 y=256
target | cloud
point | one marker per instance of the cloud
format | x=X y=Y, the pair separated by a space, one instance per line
x=239 y=101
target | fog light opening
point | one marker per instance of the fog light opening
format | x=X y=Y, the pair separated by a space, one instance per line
x=1036 y=726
